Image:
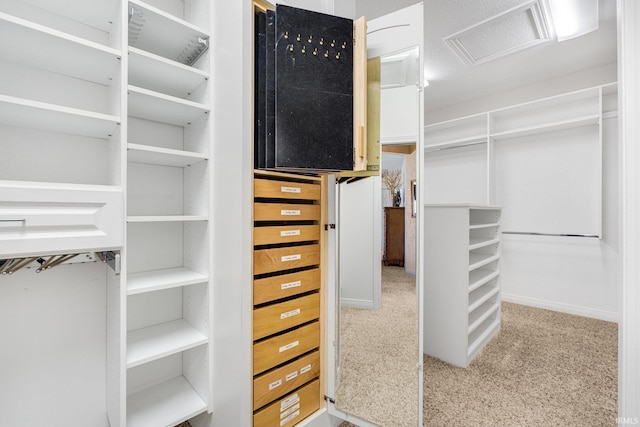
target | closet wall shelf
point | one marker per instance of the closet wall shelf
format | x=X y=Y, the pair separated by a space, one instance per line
x=482 y=313
x=163 y=75
x=55 y=51
x=479 y=277
x=167 y=218
x=163 y=34
x=479 y=226
x=55 y=118
x=479 y=260
x=547 y=127
x=480 y=296
x=150 y=105
x=476 y=243
x=139 y=153
x=149 y=281
x=154 y=342
x=478 y=341
x=166 y=404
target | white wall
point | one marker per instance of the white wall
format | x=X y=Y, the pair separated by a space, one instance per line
x=53 y=329
x=359 y=226
x=570 y=274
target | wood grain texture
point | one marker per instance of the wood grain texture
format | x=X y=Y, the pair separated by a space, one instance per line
x=279 y=349
x=269 y=188
x=285 y=212
x=285 y=315
x=285 y=285
x=284 y=412
x=285 y=234
x=281 y=259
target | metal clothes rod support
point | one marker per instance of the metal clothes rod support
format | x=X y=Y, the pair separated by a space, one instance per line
x=531 y=233
x=468 y=144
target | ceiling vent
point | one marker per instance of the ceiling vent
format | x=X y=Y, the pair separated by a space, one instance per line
x=509 y=32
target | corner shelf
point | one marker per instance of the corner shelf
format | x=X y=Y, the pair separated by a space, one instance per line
x=166 y=404
x=547 y=127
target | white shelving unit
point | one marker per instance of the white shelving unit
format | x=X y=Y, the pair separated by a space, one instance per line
x=168 y=256
x=59 y=95
x=461 y=284
x=562 y=121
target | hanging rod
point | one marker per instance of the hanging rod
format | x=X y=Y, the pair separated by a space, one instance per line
x=468 y=144
x=46 y=262
x=531 y=233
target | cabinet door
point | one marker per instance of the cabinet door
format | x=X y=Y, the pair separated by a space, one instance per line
x=307 y=75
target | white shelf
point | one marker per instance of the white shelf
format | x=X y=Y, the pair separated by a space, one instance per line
x=480 y=296
x=476 y=243
x=167 y=404
x=150 y=105
x=157 y=73
x=483 y=337
x=55 y=118
x=167 y=218
x=163 y=156
x=547 y=127
x=41 y=47
x=162 y=33
x=480 y=276
x=478 y=226
x=481 y=314
x=478 y=260
x=149 y=281
x=152 y=343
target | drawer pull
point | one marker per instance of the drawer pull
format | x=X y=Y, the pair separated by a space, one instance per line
x=289 y=401
x=290 y=189
x=305 y=369
x=291 y=285
x=290 y=212
x=289 y=233
x=275 y=384
x=288 y=314
x=288 y=258
x=289 y=346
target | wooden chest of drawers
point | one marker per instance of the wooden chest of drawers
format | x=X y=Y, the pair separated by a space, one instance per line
x=287 y=289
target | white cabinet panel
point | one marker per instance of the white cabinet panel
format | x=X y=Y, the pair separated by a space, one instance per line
x=37 y=219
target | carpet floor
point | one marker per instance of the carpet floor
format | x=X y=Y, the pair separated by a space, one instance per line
x=544 y=369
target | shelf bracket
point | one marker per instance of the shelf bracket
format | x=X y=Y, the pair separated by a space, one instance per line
x=112 y=259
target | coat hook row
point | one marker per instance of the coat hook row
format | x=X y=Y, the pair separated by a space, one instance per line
x=46 y=262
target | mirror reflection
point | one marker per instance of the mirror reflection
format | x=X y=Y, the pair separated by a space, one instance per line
x=377 y=378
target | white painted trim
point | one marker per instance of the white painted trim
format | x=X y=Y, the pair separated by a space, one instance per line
x=609 y=316
x=398 y=140
x=629 y=131
x=356 y=303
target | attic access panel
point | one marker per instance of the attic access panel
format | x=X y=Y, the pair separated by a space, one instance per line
x=307 y=121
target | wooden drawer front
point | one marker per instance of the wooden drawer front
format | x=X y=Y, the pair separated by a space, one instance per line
x=273 y=384
x=285 y=212
x=278 y=317
x=291 y=409
x=278 y=259
x=286 y=285
x=285 y=234
x=279 y=349
x=286 y=190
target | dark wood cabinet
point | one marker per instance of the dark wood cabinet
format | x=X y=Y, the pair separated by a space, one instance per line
x=393 y=236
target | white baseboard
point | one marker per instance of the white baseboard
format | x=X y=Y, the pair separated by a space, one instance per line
x=356 y=303
x=609 y=316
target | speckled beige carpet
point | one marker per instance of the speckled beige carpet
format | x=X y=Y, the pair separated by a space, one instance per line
x=378 y=372
x=544 y=369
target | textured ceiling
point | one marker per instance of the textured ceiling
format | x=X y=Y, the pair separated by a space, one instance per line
x=453 y=82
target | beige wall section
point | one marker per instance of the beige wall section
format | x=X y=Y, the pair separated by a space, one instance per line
x=409 y=221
